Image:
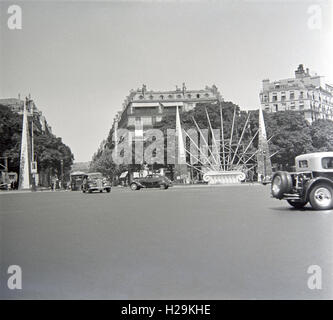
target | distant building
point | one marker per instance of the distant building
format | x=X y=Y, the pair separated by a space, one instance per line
x=144 y=108
x=16 y=105
x=305 y=93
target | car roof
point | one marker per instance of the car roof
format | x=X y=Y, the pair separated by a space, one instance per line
x=314 y=155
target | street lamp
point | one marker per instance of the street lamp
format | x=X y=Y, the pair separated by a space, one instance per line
x=264 y=154
x=62 y=173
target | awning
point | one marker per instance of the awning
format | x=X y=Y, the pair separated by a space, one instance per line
x=123 y=175
x=78 y=173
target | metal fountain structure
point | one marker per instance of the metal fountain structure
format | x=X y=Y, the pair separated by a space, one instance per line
x=226 y=162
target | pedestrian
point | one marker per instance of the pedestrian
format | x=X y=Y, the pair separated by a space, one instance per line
x=85 y=184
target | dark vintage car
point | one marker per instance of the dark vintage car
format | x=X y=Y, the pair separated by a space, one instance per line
x=312 y=182
x=95 y=182
x=151 y=181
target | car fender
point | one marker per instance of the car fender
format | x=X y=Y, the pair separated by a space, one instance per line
x=138 y=184
x=311 y=183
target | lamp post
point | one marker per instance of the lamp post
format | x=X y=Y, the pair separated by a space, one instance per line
x=33 y=164
x=264 y=154
x=62 y=173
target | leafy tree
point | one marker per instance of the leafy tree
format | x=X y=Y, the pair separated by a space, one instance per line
x=49 y=150
x=322 y=135
x=289 y=133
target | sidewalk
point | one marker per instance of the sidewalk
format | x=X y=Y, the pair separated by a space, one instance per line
x=176 y=186
x=28 y=191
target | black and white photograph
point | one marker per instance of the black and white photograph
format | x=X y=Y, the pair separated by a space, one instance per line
x=166 y=150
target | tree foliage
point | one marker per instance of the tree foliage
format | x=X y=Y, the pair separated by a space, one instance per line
x=289 y=133
x=49 y=149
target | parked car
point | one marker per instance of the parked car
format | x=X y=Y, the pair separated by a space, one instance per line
x=95 y=182
x=312 y=182
x=151 y=181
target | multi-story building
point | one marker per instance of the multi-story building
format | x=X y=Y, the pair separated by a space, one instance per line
x=305 y=93
x=144 y=108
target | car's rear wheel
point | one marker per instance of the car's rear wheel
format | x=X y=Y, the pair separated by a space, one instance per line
x=163 y=187
x=281 y=184
x=297 y=203
x=134 y=186
x=108 y=190
x=321 y=197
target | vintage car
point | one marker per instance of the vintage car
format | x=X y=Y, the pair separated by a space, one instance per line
x=312 y=182
x=151 y=181
x=95 y=182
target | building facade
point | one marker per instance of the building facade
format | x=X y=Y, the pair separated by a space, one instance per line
x=305 y=93
x=144 y=108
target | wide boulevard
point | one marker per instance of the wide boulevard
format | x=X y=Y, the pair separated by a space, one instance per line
x=198 y=242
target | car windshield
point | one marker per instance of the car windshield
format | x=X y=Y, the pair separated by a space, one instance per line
x=327 y=162
x=95 y=175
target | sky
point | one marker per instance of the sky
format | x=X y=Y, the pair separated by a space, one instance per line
x=79 y=60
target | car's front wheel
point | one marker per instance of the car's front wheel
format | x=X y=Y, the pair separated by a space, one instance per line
x=297 y=203
x=321 y=197
x=134 y=186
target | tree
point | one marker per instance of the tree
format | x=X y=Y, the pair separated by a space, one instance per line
x=104 y=164
x=322 y=135
x=49 y=149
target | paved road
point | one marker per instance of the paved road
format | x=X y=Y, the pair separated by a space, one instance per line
x=182 y=243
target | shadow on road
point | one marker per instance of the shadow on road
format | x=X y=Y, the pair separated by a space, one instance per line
x=307 y=210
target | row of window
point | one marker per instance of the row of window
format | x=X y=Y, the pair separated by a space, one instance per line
x=292 y=97
x=178 y=96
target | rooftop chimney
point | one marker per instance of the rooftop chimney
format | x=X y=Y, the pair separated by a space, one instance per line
x=299 y=73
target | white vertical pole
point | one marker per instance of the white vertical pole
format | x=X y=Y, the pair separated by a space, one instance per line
x=24 y=157
x=223 y=153
x=230 y=143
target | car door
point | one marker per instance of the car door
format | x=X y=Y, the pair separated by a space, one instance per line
x=155 y=181
x=147 y=181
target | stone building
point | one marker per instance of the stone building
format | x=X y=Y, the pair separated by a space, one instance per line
x=305 y=93
x=145 y=108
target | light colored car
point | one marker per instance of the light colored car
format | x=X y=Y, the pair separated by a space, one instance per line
x=95 y=182
x=312 y=182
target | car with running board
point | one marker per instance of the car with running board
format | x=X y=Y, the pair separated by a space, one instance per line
x=311 y=183
x=151 y=181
